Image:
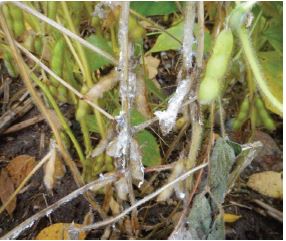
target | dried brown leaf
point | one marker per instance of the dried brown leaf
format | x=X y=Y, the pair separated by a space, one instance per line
x=6 y=190
x=151 y=64
x=20 y=167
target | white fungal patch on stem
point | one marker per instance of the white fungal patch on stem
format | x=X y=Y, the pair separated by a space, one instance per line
x=188 y=40
x=124 y=147
x=100 y=9
x=167 y=118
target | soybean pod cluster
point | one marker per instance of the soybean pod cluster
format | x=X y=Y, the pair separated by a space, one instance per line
x=261 y=116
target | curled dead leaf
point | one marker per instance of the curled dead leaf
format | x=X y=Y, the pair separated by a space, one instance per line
x=53 y=170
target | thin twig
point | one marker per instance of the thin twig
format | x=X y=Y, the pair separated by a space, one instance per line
x=65 y=31
x=139 y=203
x=16 y=111
x=94 y=185
x=272 y=212
x=24 y=124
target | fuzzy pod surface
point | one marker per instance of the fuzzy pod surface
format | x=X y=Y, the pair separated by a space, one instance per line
x=216 y=68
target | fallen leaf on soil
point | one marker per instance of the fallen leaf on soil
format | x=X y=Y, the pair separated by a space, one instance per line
x=6 y=190
x=151 y=64
x=230 y=218
x=20 y=167
x=268 y=183
x=58 y=231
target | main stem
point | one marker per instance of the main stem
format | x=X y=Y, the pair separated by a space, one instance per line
x=125 y=98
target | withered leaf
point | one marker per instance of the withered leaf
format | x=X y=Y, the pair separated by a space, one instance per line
x=20 y=167
x=6 y=190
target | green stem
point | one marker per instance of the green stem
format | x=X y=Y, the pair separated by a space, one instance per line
x=86 y=73
x=86 y=138
x=253 y=63
x=59 y=114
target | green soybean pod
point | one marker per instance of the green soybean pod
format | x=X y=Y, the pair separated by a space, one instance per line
x=57 y=59
x=18 y=20
x=264 y=115
x=242 y=115
x=216 y=67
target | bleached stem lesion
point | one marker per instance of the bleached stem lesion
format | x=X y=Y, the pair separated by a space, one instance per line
x=167 y=118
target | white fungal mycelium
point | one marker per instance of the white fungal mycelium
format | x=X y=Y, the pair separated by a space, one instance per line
x=167 y=118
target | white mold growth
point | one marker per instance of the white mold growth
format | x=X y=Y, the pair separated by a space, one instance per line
x=101 y=9
x=188 y=40
x=136 y=166
x=167 y=118
x=121 y=187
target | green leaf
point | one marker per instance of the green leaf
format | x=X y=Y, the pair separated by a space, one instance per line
x=148 y=143
x=164 y=42
x=235 y=146
x=200 y=217
x=272 y=67
x=222 y=159
x=95 y=60
x=155 y=90
x=274 y=35
x=217 y=231
x=150 y=8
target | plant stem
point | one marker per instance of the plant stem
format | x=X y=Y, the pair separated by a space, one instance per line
x=60 y=115
x=86 y=74
x=253 y=63
x=86 y=137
